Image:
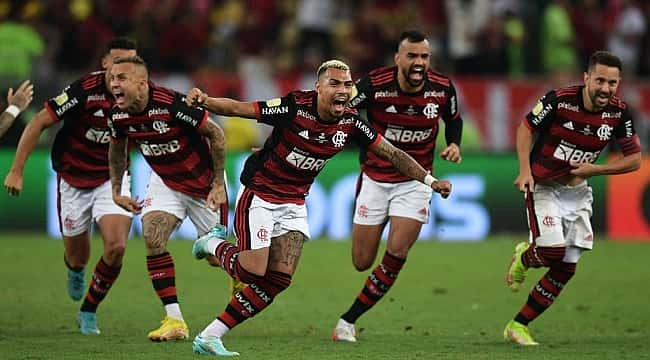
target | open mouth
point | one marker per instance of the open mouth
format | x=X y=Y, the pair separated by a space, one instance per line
x=339 y=103
x=602 y=97
x=417 y=73
x=119 y=97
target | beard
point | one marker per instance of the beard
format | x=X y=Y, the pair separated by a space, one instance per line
x=411 y=82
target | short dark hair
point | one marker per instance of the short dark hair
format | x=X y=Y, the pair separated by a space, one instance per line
x=604 y=58
x=413 y=36
x=121 y=42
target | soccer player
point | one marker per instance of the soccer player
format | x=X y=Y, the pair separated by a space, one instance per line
x=404 y=103
x=186 y=152
x=571 y=126
x=17 y=102
x=270 y=215
x=80 y=158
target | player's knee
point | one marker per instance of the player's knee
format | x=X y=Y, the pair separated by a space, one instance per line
x=115 y=252
x=362 y=262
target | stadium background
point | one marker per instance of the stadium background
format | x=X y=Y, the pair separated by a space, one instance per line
x=501 y=54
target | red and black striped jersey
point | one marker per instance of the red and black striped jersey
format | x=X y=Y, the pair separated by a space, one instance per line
x=166 y=132
x=568 y=133
x=80 y=149
x=408 y=120
x=299 y=146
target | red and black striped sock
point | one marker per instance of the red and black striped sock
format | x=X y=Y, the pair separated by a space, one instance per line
x=228 y=255
x=103 y=278
x=539 y=256
x=545 y=291
x=254 y=298
x=163 y=277
x=377 y=284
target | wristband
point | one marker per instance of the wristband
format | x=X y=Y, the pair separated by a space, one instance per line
x=429 y=179
x=13 y=110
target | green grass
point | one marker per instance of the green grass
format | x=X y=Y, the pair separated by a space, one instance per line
x=450 y=302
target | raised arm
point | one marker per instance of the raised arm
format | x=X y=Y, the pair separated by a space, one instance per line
x=215 y=135
x=221 y=106
x=28 y=141
x=406 y=165
x=17 y=102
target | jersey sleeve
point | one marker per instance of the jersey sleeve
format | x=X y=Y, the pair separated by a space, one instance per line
x=69 y=104
x=543 y=112
x=278 y=111
x=116 y=131
x=626 y=137
x=361 y=93
x=191 y=116
x=365 y=134
x=452 y=119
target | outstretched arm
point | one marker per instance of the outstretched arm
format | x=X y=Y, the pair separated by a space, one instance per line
x=17 y=103
x=28 y=141
x=406 y=165
x=217 y=140
x=221 y=106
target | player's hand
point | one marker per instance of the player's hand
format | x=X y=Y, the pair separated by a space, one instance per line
x=14 y=183
x=584 y=170
x=524 y=182
x=451 y=153
x=216 y=197
x=23 y=95
x=442 y=187
x=196 y=97
x=131 y=205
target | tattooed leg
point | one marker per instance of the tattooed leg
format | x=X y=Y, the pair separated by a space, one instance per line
x=158 y=227
x=285 y=252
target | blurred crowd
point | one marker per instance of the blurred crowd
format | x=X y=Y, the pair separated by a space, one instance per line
x=246 y=42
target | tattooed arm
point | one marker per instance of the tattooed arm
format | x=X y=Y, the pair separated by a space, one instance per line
x=117 y=157
x=215 y=135
x=405 y=164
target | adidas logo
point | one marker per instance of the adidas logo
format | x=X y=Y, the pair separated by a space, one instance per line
x=304 y=134
x=391 y=109
x=99 y=113
x=568 y=125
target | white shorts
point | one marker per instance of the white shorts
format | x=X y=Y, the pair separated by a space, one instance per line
x=559 y=215
x=258 y=221
x=160 y=197
x=376 y=201
x=79 y=207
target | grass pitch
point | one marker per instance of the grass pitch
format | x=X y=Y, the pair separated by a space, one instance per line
x=450 y=302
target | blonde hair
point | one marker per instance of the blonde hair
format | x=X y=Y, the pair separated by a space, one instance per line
x=331 y=64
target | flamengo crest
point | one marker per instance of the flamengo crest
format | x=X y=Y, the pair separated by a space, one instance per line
x=431 y=110
x=339 y=138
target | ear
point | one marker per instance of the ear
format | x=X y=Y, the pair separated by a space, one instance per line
x=585 y=77
x=396 y=57
x=105 y=62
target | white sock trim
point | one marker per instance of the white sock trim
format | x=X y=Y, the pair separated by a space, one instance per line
x=212 y=245
x=174 y=311
x=216 y=328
